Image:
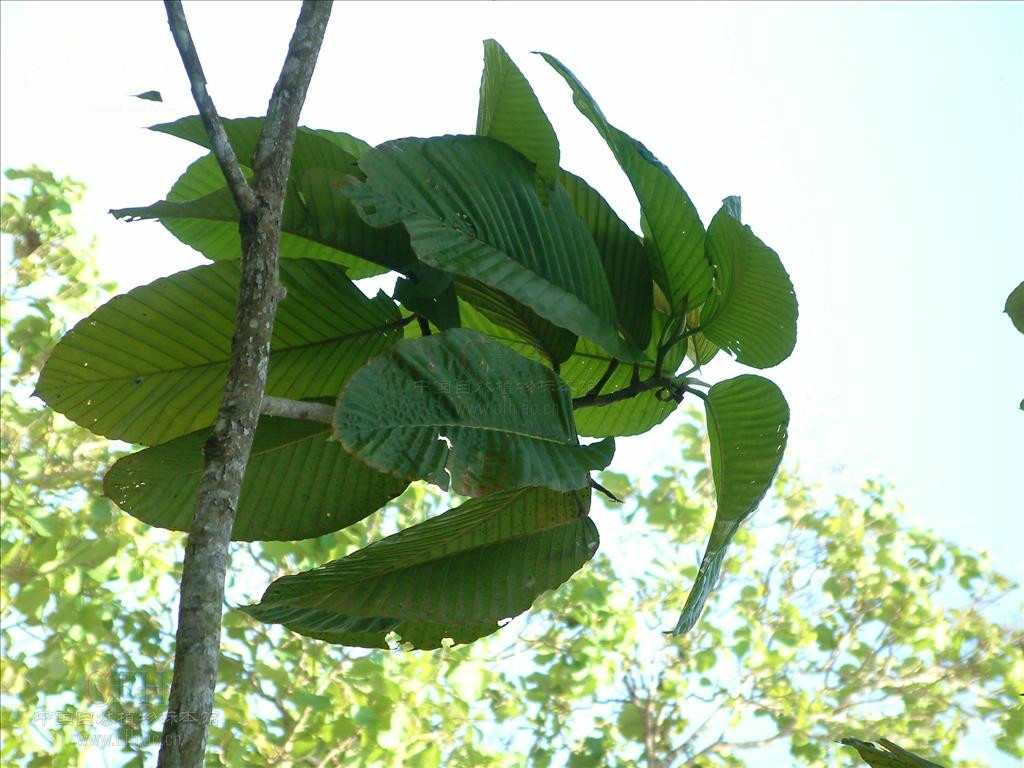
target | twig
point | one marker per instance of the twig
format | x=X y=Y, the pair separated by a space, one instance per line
x=297 y=409
x=222 y=149
x=197 y=644
x=635 y=388
x=596 y=389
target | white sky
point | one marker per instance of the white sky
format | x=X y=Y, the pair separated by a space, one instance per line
x=879 y=148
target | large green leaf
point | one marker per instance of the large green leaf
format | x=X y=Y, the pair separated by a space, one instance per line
x=313 y=148
x=752 y=312
x=457 y=575
x=201 y=213
x=318 y=222
x=510 y=112
x=459 y=402
x=583 y=369
x=471 y=207
x=622 y=253
x=670 y=222
x=747 y=422
x=298 y=483
x=150 y=365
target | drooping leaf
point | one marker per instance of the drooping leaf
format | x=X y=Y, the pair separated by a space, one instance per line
x=669 y=220
x=298 y=483
x=889 y=756
x=508 y=420
x=458 y=574
x=622 y=253
x=471 y=208
x=1015 y=307
x=150 y=365
x=747 y=422
x=752 y=312
x=510 y=112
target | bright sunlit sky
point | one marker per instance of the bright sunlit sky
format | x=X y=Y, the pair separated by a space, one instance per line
x=879 y=148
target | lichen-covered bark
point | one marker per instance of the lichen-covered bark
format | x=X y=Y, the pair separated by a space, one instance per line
x=197 y=647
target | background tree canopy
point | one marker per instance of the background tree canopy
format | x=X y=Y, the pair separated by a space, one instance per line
x=831 y=618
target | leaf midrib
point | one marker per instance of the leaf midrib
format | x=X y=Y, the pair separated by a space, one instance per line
x=212 y=363
x=406 y=565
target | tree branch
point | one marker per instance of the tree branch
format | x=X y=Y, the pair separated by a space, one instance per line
x=297 y=409
x=197 y=646
x=222 y=149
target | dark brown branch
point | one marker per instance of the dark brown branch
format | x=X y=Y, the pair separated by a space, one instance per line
x=634 y=389
x=197 y=645
x=222 y=150
x=297 y=409
x=596 y=389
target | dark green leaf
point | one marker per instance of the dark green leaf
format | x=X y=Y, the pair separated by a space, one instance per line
x=457 y=575
x=622 y=253
x=753 y=311
x=298 y=483
x=509 y=112
x=150 y=365
x=890 y=756
x=747 y=422
x=508 y=419
x=584 y=368
x=149 y=96
x=471 y=207
x=1015 y=307
x=668 y=218
x=555 y=344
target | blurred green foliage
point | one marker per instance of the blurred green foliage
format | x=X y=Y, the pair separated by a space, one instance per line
x=833 y=618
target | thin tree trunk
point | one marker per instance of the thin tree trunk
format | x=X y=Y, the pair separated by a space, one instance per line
x=197 y=646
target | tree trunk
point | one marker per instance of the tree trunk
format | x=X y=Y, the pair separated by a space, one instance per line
x=197 y=646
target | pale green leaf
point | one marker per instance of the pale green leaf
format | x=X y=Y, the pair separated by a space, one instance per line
x=747 y=425
x=753 y=310
x=298 y=483
x=150 y=365
x=509 y=112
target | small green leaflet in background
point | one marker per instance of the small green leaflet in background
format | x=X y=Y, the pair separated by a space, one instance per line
x=456 y=575
x=298 y=483
x=471 y=207
x=1015 y=307
x=747 y=422
x=509 y=112
x=669 y=220
x=457 y=403
x=150 y=365
x=149 y=96
x=890 y=756
x=752 y=312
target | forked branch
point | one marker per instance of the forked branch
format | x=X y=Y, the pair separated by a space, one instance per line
x=197 y=644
